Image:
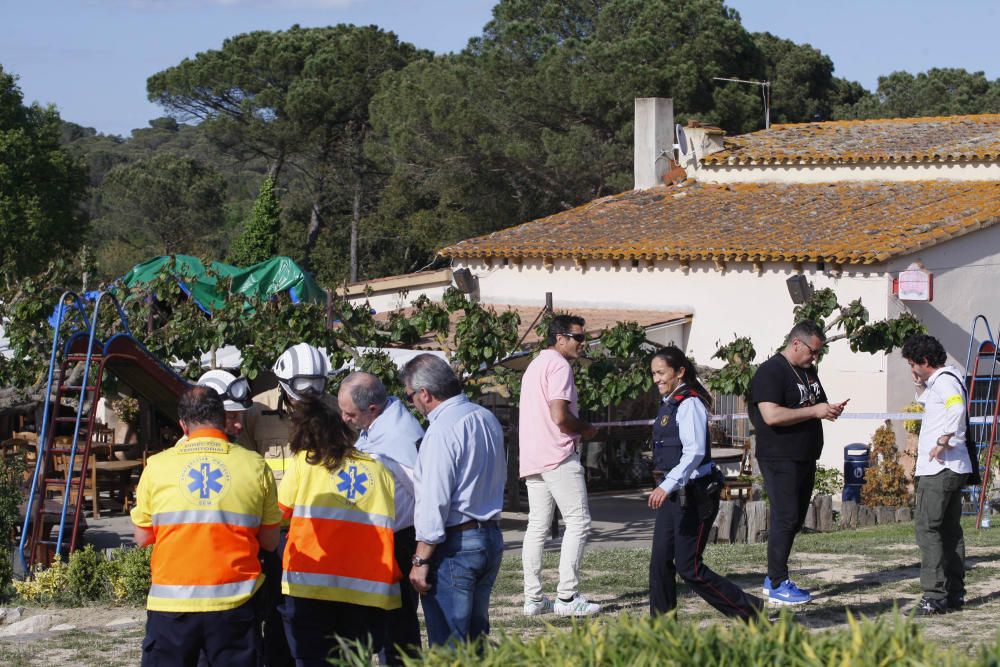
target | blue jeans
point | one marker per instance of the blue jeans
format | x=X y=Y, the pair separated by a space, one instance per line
x=463 y=570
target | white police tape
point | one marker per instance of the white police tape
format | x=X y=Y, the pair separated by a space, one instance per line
x=916 y=416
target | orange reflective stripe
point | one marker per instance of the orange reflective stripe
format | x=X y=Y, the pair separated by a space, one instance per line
x=308 y=550
x=227 y=554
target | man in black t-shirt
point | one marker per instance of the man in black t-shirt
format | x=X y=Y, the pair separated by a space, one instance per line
x=787 y=403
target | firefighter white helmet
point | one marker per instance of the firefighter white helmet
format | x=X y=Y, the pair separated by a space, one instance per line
x=235 y=391
x=302 y=369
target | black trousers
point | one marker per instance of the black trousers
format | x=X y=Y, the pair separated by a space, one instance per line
x=789 y=486
x=403 y=628
x=274 y=644
x=222 y=638
x=679 y=539
x=316 y=629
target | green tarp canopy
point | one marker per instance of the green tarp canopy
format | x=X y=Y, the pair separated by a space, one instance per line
x=277 y=275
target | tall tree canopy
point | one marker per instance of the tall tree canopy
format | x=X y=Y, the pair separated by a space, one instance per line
x=42 y=187
x=161 y=206
x=536 y=115
x=299 y=97
x=936 y=92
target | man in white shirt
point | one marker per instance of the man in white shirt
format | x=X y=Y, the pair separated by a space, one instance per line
x=943 y=465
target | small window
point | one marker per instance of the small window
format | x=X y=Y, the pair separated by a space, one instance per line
x=635 y=264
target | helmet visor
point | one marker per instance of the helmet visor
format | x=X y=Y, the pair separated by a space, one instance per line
x=307 y=384
x=238 y=391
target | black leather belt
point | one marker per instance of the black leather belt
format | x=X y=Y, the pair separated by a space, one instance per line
x=470 y=525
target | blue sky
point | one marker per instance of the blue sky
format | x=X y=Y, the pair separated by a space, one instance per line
x=91 y=58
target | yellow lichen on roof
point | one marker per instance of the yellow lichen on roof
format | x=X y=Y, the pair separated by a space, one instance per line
x=846 y=223
x=939 y=138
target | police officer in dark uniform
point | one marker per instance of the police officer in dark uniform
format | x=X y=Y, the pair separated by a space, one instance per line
x=688 y=499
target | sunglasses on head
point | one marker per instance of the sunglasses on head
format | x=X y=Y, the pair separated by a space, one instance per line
x=578 y=337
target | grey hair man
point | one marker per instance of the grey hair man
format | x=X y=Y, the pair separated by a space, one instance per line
x=388 y=430
x=459 y=482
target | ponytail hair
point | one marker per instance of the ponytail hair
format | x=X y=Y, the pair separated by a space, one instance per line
x=675 y=359
x=320 y=432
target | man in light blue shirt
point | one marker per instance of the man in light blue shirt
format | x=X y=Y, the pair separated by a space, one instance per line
x=459 y=483
x=387 y=430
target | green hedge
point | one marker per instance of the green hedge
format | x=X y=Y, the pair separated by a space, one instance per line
x=644 y=642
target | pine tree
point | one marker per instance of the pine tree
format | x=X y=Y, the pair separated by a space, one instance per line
x=259 y=240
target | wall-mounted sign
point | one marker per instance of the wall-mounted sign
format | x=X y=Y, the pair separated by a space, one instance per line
x=915 y=284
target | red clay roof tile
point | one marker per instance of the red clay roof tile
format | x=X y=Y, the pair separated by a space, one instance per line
x=943 y=138
x=846 y=223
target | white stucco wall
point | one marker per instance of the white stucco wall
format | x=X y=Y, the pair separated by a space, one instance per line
x=965 y=285
x=829 y=173
x=723 y=304
x=386 y=301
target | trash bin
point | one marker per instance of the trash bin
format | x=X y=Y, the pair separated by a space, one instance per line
x=855 y=464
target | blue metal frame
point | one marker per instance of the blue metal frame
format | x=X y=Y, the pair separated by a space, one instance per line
x=81 y=312
x=90 y=330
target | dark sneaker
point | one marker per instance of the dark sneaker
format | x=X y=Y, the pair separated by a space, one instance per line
x=930 y=607
x=956 y=604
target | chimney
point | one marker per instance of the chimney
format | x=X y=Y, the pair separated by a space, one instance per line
x=654 y=140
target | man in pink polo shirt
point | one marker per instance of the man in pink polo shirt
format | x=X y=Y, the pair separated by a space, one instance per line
x=550 y=465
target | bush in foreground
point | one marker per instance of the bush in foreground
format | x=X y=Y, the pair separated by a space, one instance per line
x=90 y=577
x=641 y=641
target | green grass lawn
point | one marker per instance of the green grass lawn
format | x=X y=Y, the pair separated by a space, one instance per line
x=868 y=572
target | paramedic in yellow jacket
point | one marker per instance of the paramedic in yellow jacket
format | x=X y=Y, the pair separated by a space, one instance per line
x=302 y=372
x=207 y=507
x=340 y=572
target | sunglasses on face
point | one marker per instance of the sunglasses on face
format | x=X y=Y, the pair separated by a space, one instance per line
x=578 y=337
x=814 y=352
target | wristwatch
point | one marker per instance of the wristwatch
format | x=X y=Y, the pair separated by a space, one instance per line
x=418 y=561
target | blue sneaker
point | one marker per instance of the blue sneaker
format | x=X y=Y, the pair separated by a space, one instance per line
x=788 y=593
x=766 y=588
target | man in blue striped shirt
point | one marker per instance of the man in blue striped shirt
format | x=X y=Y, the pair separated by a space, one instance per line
x=459 y=483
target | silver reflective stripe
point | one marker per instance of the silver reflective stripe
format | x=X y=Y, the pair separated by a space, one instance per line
x=335 y=581
x=206 y=516
x=216 y=591
x=354 y=516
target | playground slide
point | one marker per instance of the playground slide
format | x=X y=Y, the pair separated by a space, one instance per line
x=129 y=360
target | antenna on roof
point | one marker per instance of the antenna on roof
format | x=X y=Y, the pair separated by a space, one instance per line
x=765 y=92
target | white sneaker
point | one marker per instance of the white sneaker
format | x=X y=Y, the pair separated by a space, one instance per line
x=537 y=607
x=578 y=606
